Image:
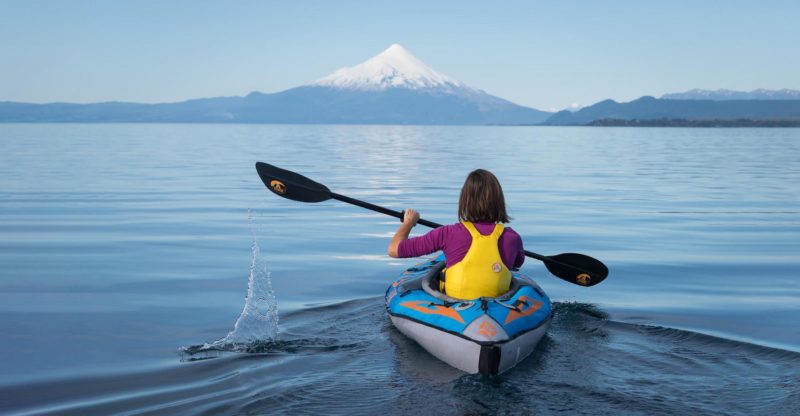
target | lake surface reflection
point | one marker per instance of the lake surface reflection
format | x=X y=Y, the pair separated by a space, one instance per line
x=121 y=243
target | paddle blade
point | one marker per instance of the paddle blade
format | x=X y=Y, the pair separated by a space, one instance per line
x=579 y=269
x=291 y=185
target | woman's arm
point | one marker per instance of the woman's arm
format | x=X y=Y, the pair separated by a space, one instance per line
x=511 y=249
x=410 y=219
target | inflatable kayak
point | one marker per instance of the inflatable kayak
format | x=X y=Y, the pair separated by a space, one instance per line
x=485 y=335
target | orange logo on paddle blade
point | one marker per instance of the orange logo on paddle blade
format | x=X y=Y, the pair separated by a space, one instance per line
x=277 y=186
x=531 y=307
x=583 y=279
x=432 y=309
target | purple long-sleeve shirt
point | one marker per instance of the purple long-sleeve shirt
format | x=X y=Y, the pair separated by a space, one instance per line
x=455 y=241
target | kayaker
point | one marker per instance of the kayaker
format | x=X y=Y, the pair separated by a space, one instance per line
x=479 y=250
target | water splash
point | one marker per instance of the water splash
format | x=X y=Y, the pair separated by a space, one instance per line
x=258 y=322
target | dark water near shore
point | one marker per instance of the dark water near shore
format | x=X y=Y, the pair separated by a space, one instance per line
x=121 y=244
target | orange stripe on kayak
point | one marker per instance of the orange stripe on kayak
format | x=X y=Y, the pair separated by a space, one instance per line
x=533 y=306
x=432 y=309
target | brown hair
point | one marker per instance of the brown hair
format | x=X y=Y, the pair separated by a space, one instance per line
x=482 y=199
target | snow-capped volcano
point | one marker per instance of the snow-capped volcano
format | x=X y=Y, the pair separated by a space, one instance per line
x=393 y=87
x=395 y=67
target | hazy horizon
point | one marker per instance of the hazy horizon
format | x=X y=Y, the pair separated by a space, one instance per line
x=538 y=54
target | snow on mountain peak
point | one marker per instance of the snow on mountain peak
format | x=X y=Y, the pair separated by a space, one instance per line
x=395 y=67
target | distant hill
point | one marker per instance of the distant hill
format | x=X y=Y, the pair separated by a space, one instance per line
x=676 y=122
x=723 y=95
x=393 y=87
x=650 y=108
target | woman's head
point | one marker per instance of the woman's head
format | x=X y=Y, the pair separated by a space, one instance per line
x=482 y=199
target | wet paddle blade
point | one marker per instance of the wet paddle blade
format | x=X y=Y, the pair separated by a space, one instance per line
x=291 y=185
x=579 y=269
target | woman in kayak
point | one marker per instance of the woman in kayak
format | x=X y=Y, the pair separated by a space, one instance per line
x=479 y=250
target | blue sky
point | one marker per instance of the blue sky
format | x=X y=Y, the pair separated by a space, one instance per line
x=545 y=54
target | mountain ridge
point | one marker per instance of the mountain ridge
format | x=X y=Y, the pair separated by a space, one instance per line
x=725 y=94
x=651 y=108
x=396 y=87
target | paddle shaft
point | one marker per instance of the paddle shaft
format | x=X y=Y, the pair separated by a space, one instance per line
x=431 y=224
x=382 y=210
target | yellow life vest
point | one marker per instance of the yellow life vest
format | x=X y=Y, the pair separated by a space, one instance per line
x=481 y=273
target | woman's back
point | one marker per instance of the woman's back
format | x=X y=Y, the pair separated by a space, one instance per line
x=479 y=250
x=455 y=240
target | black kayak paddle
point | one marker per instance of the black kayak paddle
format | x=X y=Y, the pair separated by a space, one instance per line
x=575 y=268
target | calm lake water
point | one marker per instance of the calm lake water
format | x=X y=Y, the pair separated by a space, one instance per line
x=120 y=245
